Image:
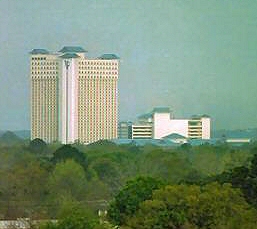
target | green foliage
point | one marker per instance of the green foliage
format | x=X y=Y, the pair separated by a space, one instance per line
x=10 y=139
x=106 y=169
x=181 y=206
x=67 y=180
x=39 y=180
x=68 y=152
x=169 y=166
x=244 y=178
x=253 y=166
x=76 y=218
x=37 y=145
x=128 y=199
x=22 y=187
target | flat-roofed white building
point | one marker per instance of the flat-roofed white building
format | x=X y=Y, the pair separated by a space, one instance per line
x=73 y=97
x=163 y=125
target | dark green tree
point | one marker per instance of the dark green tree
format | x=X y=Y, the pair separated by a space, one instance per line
x=127 y=201
x=37 y=145
x=244 y=178
x=75 y=218
x=68 y=152
x=108 y=172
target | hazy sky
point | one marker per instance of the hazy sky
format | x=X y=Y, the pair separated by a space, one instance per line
x=197 y=57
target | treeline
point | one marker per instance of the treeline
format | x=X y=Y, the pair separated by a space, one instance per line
x=44 y=181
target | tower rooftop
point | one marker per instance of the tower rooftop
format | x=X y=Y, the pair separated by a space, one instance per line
x=39 y=51
x=69 y=55
x=108 y=56
x=72 y=49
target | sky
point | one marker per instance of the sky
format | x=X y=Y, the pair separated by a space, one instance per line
x=196 y=57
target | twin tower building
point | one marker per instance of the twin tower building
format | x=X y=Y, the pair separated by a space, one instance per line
x=73 y=97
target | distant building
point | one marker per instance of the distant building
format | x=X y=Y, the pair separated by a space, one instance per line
x=73 y=97
x=142 y=131
x=125 y=130
x=159 y=124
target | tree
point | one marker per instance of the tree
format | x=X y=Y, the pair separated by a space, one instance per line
x=213 y=206
x=68 y=152
x=37 y=145
x=253 y=166
x=67 y=182
x=108 y=172
x=128 y=199
x=9 y=139
x=75 y=218
x=244 y=178
x=170 y=166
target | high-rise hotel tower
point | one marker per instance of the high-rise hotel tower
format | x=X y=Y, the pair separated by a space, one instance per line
x=73 y=97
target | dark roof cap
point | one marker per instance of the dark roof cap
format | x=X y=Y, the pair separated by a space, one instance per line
x=199 y=116
x=109 y=57
x=205 y=116
x=195 y=117
x=69 y=55
x=39 y=51
x=73 y=49
x=161 y=110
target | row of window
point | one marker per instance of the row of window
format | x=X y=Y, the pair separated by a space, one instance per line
x=89 y=79
x=48 y=72
x=96 y=72
x=103 y=68
x=44 y=67
x=38 y=58
x=99 y=62
x=44 y=63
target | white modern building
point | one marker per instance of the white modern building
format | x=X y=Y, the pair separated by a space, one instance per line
x=73 y=97
x=160 y=124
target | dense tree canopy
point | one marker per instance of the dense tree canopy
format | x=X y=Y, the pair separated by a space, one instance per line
x=37 y=145
x=39 y=180
x=244 y=178
x=69 y=152
x=213 y=206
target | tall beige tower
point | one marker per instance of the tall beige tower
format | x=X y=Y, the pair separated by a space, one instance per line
x=73 y=97
x=44 y=74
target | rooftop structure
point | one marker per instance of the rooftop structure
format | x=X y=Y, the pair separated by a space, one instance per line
x=39 y=51
x=109 y=57
x=72 y=49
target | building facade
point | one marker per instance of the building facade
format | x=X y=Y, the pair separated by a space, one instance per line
x=125 y=130
x=73 y=97
x=160 y=124
x=196 y=127
x=142 y=131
